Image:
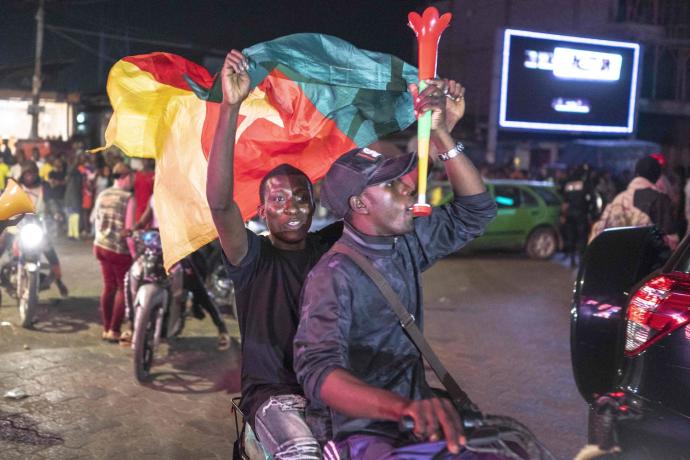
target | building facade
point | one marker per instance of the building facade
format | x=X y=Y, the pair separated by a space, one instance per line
x=468 y=52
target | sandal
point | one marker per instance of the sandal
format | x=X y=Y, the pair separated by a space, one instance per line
x=112 y=337
x=223 y=342
x=126 y=338
x=104 y=335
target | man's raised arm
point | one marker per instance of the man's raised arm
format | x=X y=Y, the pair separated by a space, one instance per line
x=446 y=101
x=220 y=174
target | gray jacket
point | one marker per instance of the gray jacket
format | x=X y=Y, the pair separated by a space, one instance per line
x=345 y=322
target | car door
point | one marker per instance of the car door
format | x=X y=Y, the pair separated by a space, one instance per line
x=612 y=264
x=534 y=210
x=551 y=207
x=512 y=222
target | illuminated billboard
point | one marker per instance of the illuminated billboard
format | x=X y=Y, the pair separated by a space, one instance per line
x=568 y=84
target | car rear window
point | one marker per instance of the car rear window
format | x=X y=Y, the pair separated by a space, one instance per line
x=549 y=197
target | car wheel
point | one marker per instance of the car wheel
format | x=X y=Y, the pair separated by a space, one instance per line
x=541 y=244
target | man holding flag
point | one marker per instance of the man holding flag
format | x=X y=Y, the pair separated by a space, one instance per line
x=268 y=273
x=294 y=105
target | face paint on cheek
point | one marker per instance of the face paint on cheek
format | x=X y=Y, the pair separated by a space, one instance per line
x=305 y=208
x=275 y=209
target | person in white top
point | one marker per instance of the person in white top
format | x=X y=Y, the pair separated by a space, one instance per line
x=16 y=169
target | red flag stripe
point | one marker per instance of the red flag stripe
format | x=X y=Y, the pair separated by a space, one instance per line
x=308 y=140
x=170 y=69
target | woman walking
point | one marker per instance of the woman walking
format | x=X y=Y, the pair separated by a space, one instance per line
x=114 y=218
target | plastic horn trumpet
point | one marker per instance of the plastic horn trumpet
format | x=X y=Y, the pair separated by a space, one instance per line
x=428 y=29
x=14 y=201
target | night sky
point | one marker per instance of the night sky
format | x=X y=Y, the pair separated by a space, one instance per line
x=72 y=60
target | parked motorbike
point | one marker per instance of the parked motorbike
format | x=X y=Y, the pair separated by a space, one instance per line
x=24 y=275
x=221 y=290
x=155 y=301
x=218 y=283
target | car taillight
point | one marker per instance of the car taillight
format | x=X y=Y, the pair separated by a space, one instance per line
x=659 y=307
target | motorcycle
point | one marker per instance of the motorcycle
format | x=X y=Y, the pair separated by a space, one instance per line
x=489 y=434
x=24 y=275
x=216 y=279
x=495 y=434
x=221 y=290
x=155 y=301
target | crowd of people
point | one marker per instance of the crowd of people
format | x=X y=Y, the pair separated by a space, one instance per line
x=100 y=197
x=588 y=192
x=69 y=184
x=596 y=200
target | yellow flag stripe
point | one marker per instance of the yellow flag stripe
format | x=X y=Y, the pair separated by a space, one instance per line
x=155 y=120
x=141 y=110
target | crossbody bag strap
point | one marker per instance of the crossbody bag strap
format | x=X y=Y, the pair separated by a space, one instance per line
x=407 y=321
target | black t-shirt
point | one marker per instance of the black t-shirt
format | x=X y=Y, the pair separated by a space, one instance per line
x=268 y=283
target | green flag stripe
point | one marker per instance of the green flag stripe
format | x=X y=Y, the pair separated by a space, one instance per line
x=364 y=92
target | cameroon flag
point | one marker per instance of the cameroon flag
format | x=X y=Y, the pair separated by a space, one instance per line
x=314 y=97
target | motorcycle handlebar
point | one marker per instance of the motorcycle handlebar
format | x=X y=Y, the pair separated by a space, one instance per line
x=406 y=424
x=470 y=419
x=491 y=432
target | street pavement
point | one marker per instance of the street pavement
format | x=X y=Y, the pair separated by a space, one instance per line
x=498 y=321
x=501 y=322
x=83 y=400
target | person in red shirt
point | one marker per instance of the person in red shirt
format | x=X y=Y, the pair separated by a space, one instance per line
x=143 y=187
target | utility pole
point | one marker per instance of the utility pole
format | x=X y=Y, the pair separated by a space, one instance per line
x=34 y=109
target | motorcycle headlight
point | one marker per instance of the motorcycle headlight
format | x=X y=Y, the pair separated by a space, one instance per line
x=148 y=265
x=31 y=267
x=31 y=235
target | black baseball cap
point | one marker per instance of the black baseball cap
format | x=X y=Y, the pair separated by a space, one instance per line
x=358 y=169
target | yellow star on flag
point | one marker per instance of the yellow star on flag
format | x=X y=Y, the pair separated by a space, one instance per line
x=257 y=107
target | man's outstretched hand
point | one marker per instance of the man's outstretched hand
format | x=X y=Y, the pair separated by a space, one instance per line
x=235 y=78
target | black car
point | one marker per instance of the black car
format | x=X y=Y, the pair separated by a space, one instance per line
x=630 y=343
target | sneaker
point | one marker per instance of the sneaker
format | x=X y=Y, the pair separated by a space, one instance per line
x=223 y=342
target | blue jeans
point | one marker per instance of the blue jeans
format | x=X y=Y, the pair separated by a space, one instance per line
x=369 y=447
x=280 y=427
